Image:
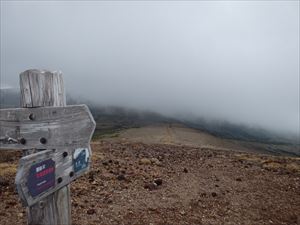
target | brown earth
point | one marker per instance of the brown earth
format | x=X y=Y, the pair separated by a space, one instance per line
x=193 y=185
x=178 y=134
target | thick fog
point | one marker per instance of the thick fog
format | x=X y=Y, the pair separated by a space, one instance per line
x=231 y=60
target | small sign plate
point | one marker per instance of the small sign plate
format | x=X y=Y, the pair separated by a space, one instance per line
x=41 y=177
x=81 y=158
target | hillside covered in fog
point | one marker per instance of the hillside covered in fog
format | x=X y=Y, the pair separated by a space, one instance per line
x=114 y=118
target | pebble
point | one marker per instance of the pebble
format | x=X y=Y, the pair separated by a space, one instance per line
x=145 y=161
x=158 y=181
x=91 y=211
x=182 y=212
x=150 y=186
x=155 y=161
x=121 y=177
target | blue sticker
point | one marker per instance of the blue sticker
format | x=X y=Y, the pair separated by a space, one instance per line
x=41 y=177
x=81 y=159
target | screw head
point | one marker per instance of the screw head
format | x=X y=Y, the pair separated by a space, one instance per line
x=65 y=154
x=59 y=180
x=31 y=116
x=41 y=204
x=43 y=140
x=23 y=141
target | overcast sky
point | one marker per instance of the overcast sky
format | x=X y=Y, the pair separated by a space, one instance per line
x=232 y=60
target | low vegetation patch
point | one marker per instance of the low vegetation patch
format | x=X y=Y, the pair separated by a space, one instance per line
x=272 y=163
x=8 y=169
x=101 y=134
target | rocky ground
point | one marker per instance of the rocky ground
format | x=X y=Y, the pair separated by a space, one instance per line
x=161 y=184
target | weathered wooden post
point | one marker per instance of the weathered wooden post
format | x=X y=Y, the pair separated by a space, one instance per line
x=55 y=139
x=38 y=89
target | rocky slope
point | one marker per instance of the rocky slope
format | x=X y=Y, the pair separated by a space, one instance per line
x=136 y=183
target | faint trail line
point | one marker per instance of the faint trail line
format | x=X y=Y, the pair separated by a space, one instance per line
x=168 y=136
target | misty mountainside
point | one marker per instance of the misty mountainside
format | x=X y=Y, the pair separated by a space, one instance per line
x=9 y=98
x=229 y=130
x=114 y=118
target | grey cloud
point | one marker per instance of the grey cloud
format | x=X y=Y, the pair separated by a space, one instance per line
x=237 y=61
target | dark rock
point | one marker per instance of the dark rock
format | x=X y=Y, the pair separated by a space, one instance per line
x=91 y=211
x=121 y=177
x=105 y=163
x=91 y=177
x=109 y=201
x=3 y=182
x=185 y=170
x=203 y=194
x=238 y=179
x=11 y=203
x=214 y=194
x=158 y=181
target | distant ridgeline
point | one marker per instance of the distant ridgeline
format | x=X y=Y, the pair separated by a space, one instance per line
x=228 y=130
x=9 y=98
x=111 y=119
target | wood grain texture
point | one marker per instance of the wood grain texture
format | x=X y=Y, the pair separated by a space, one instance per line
x=71 y=126
x=52 y=210
x=64 y=169
x=42 y=88
x=39 y=89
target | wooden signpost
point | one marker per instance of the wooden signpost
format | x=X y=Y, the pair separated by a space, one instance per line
x=55 y=139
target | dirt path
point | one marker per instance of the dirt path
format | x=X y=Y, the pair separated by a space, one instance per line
x=176 y=134
x=168 y=135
